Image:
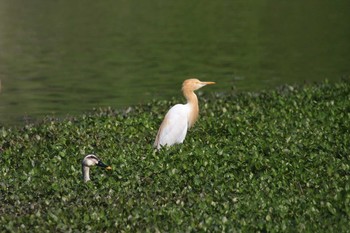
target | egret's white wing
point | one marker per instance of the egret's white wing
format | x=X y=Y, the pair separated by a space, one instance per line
x=174 y=126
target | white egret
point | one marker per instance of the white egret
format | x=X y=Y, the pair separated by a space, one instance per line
x=180 y=117
x=90 y=161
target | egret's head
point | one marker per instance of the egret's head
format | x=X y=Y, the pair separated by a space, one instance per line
x=194 y=84
x=93 y=160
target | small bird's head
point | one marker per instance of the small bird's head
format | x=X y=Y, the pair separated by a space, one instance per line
x=90 y=161
x=194 y=84
x=93 y=160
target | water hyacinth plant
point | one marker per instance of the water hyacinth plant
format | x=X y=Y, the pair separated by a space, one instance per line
x=274 y=161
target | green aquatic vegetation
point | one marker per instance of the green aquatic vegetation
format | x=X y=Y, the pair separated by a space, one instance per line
x=276 y=161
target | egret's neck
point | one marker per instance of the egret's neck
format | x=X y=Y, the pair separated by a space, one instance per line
x=192 y=101
x=86 y=173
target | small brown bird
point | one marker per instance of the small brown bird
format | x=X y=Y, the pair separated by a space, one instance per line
x=90 y=161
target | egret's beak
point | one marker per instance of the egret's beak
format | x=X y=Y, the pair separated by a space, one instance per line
x=207 y=83
x=101 y=164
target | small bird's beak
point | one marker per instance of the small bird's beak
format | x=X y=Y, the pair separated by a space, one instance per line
x=101 y=164
x=207 y=83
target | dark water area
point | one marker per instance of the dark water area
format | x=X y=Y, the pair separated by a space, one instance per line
x=64 y=57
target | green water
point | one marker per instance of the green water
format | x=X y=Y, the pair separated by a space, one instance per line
x=66 y=57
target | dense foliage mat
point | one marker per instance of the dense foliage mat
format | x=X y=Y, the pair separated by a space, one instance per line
x=270 y=161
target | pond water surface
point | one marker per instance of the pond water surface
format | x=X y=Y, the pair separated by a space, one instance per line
x=66 y=57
